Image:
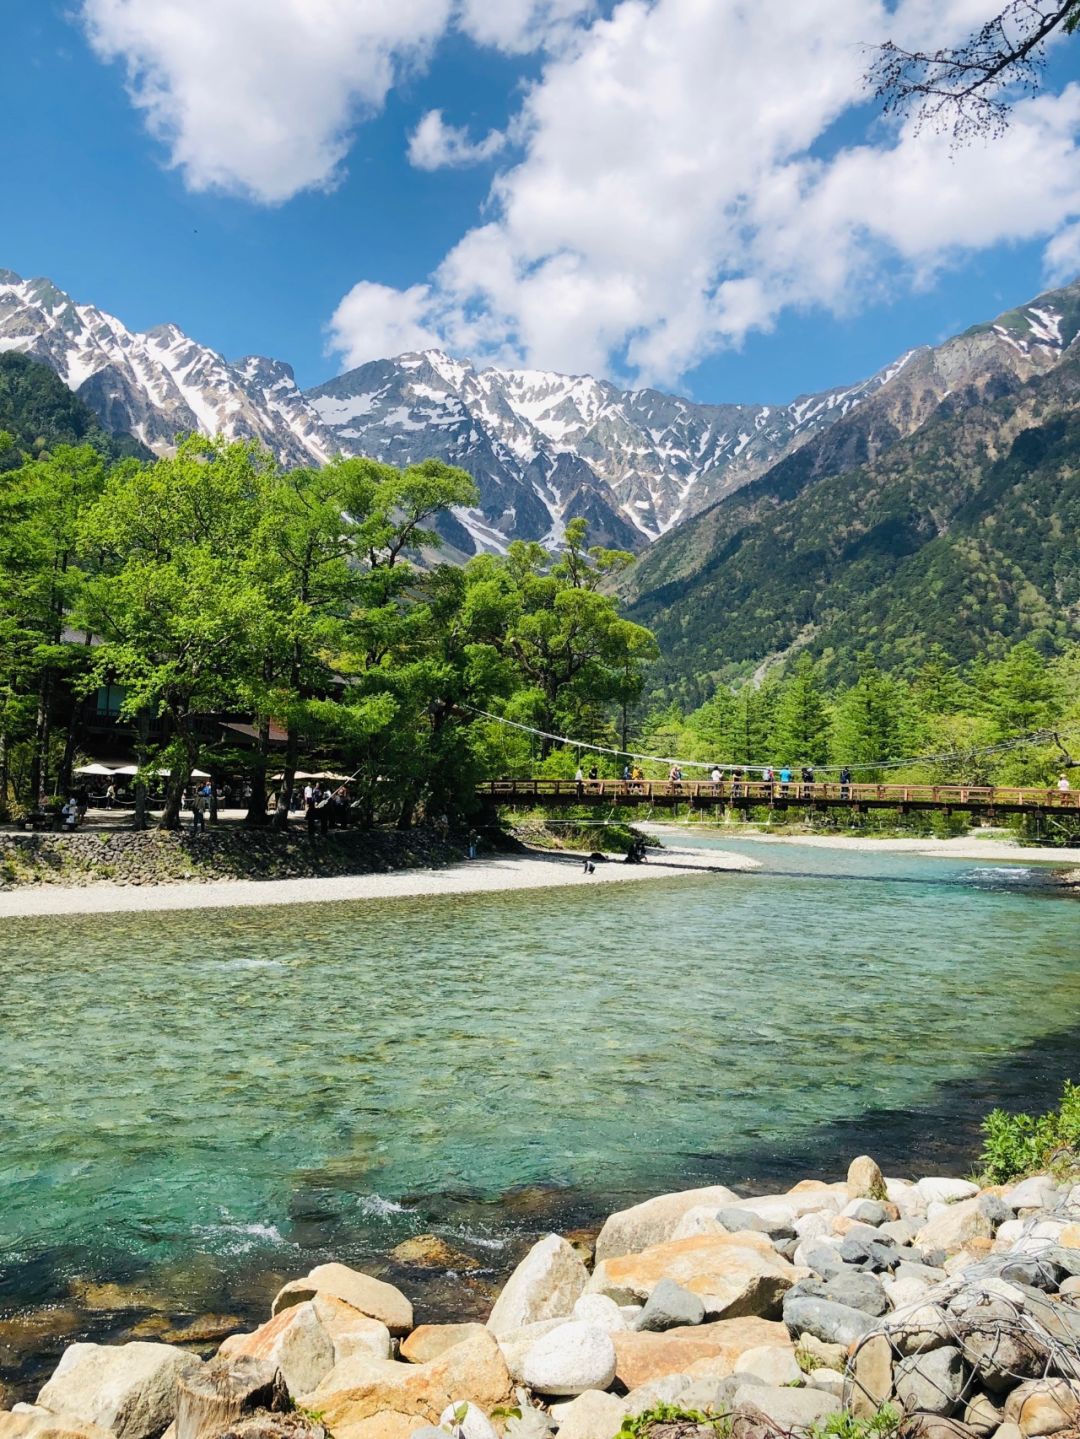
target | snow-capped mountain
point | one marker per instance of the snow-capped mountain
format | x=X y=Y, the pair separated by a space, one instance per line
x=160 y=383
x=542 y=447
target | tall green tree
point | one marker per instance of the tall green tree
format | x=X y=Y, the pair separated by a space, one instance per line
x=803 y=721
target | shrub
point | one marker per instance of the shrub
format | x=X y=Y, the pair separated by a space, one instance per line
x=882 y=1425
x=1019 y=1144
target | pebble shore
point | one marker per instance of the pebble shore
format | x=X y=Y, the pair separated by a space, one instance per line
x=955 y=1306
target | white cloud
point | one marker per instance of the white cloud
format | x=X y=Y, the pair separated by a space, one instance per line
x=435 y=145
x=678 y=188
x=374 y=321
x=261 y=97
x=515 y=26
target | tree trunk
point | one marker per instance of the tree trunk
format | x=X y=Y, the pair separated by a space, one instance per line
x=5 y=811
x=212 y=1396
x=256 y=815
x=39 y=765
x=178 y=783
x=141 y=741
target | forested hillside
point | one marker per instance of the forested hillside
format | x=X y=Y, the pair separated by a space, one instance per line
x=961 y=534
x=38 y=411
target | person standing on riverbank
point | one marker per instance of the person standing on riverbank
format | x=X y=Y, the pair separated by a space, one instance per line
x=198 y=812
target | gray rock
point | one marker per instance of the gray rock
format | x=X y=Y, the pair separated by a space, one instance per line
x=932 y=1383
x=998 y=1350
x=874 y=1254
x=911 y=1269
x=823 y=1260
x=734 y=1218
x=833 y=1323
x=858 y=1291
x=670 y=1306
x=902 y=1231
x=995 y=1208
x=870 y=1211
x=787 y=1408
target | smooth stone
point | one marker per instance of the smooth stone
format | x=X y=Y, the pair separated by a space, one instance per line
x=902 y=1231
x=830 y=1381
x=572 y=1358
x=128 y=1388
x=1037 y=1192
x=669 y=1306
x=857 y=1291
x=945 y=1191
x=997 y=1348
x=867 y=1211
x=823 y=1259
x=930 y=1383
x=773 y=1364
x=905 y=1292
x=873 y=1254
x=734 y=1274
x=786 y=1408
x=428 y=1341
x=982 y=1415
x=473 y=1423
x=918 y=1327
x=598 y=1309
x=829 y=1356
x=592 y=1415
x=935 y=1426
x=370 y=1296
x=652 y=1222
x=737 y=1219
x=812 y=1226
x=545 y=1285
x=865 y=1179
x=1070 y=1286
x=665 y=1389
x=517 y=1343
x=833 y=1323
x=643 y=1357
x=700 y=1220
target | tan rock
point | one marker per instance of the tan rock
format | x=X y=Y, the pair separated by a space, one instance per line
x=631 y=1230
x=293 y=1341
x=428 y=1251
x=982 y=1415
x=831 y=1356
x=128 y=1388
x=771 y=1363
x=545 y=1285
x=360 y=1390
x=642 y=1357
x=1043 y=1406
x=955 y=1226
x=734 y=1274
x=350 y=1331
x=40 y=1424
x=205 y=1329
x=864 y=1179
x=869 y=1381
x=428 y=1341
x=370 y=1296
x=592 y=1415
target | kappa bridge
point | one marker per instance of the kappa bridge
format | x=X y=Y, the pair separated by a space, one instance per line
x=746 y=794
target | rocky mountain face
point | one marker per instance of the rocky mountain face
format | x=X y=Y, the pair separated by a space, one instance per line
x=943 y=510
x=158 y=384
x=543 y=448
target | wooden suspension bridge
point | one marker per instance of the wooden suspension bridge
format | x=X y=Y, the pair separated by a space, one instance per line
x=746 y=794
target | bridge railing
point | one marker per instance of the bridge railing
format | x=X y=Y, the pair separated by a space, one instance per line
x=758 y=791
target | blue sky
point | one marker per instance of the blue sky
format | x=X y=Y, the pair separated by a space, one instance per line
x=619 y=237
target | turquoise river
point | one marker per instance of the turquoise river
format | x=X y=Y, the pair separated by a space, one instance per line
x=197 y=1104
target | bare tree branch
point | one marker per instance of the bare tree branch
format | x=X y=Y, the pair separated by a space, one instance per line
x=969 y=90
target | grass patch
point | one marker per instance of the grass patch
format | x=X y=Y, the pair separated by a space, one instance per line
x=671 y=1417
x=882 y=1425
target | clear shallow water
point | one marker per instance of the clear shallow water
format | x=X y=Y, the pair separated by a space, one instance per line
x=204 y=1094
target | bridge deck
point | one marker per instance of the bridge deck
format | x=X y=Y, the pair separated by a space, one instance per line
x=746 y=794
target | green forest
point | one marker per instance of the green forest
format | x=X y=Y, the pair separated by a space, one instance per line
x=213 y=586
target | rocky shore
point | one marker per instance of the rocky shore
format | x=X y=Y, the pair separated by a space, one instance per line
x=148 y=857
x=925 y=1308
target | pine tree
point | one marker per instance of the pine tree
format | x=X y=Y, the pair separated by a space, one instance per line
x=802 y=717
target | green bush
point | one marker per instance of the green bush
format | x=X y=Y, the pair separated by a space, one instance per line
x=882 y=1425
x=1019 y=1144
x=639 y=1426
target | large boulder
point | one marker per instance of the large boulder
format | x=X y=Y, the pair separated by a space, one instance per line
x=350 y=1331
x=571 y=1359
x=773 y=1364
x=295 y=1342
x=643 y=1357
x=545 y=1285
x=372 y=1297
x=733 y=1274
x=868 y=1380
x=128 y=1388
x=428 y=1341
x=598 y=1309
x=939 y=1190
x=630 y=1230
x=365 y=1398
